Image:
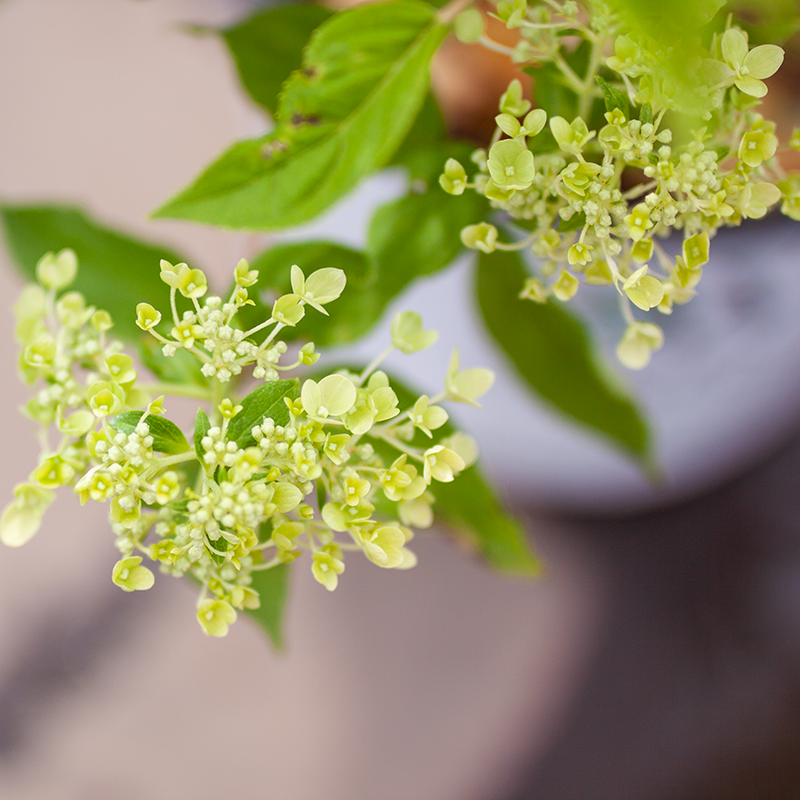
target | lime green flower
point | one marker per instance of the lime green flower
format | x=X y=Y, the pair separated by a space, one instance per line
x=466 y=386
x=243 y=275
x=216 y=616
x=695 y=250
x=333 y=396
x=750 y=68
x=326 y=568
x=642 y=251
x=511 y=164
x=511 y=101
x=320 y=288
x=468 y=26
x=22 y=517
x=534 y=290
x=57 y=270
x=408 y=335
x=454 y=179
x=644 y=291
x=638 y=343
x=480 y=237
x=571 y=137
x=566 y=286
x=130 y=577
x=427 y=418
x=105 y=398
x=383 y=545
x=147 y=317
x=579 y=254
x=120 y=368
x=757 y=146
x=288 y=309
x=441 y=464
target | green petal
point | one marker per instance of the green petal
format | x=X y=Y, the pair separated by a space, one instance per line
x=764 y=60
x=734 y=47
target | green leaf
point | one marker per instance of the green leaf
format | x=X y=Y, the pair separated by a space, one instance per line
x=553 y=354
x=201 y=427
x=115 y=271
x=272 y=586
x=351 y=315
x=613 y=97
x=573 y=223
x=646 y=113
x=183 y=367
x=340 y=117
x=266 y=401
x=167 y=436
x=469 y=505
x=419 y=234
x=267 y=47
x=426 y=147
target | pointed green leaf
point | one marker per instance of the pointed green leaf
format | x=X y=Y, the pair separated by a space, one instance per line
x=340 y=117
x=419 y=234
x=266 y=401
x=115 y=271
x=614 y=98
x=167 y=436
x=268 y=46
x=272 y=586
x=553 y=353
x=201 y=427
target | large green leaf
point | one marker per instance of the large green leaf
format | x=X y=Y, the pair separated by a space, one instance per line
x=167 y=436
x=115 y=271
x=554 y=355
x=268 y=46
x=265 y=401
x=419 y=234
x=272 y=586
x=340 y=117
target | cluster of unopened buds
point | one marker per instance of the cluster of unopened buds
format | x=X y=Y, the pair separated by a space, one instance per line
x=322 y=465
x=561 y=185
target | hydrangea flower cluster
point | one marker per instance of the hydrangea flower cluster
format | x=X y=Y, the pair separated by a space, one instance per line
x=564 y=185
x=324 y=465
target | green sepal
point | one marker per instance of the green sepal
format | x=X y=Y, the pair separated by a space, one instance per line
x=614 y=98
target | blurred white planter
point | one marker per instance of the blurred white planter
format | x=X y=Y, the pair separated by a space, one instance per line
x=721 y=393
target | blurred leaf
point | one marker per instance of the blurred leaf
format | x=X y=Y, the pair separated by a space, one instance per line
x=116 y=271
x=265 y=401
x=423 y=150
x=272 y=586
x=202 y=425
x=340 y=117
x=417 y=235
x=554 y=355
x=183 y=367
x=268 y=46
x=614 y=98
x=167 y=436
